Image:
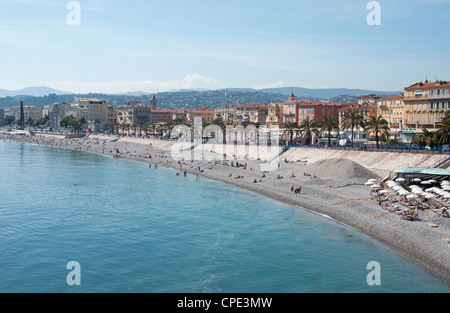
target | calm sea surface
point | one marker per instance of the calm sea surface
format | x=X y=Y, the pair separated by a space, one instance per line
x=135 y=229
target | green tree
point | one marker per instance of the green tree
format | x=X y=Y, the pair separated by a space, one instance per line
x=291 y=129
x=352 y=119
x=9 y=120
x=307 y=129
x=443 y=129
x=377 y=125
x=431 y=138
x=329 y=124
x=67 y=121
x=42 y=121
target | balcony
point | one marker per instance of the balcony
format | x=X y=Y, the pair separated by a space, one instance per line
x=447 y=96
x=422 y=97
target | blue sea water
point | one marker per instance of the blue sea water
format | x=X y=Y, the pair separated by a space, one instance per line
x=138 y=229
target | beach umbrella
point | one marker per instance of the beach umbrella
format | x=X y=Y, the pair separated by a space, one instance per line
x=426 y=182
x=432 y=181
x=383 y=191
x=400 y=180
x=417 y=179
x=376 y=186
x=430 y=196
x=412 y=196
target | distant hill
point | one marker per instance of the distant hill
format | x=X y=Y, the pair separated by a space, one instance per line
x=328 y=93
x=31 y=91
x=191 y=99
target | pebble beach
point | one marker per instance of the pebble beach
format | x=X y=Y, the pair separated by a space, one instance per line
x=331 y=187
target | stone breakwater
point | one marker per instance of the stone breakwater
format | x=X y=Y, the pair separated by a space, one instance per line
x=334 y=188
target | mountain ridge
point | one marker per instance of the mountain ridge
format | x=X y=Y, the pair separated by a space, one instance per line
x=324 y=93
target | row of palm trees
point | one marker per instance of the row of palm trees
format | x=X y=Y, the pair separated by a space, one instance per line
x=437 y=138
x=352 y=119
x=142 y=129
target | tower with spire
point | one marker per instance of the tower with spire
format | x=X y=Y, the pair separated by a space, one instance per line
x=292 y=97
x=153 y=102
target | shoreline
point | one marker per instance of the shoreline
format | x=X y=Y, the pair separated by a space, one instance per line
x=344 y=200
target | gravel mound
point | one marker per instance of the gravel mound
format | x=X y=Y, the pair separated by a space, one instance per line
x=340 y=169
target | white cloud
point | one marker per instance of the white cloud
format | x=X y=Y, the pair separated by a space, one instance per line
x=270 y=85
x=191 y=81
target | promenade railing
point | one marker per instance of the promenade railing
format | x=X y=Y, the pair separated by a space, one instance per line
x=374 y=148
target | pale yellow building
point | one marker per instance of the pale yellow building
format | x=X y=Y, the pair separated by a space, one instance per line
x=392 y=110
x=425 y=104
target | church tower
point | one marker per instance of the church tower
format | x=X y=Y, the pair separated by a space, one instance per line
x=292 y=97
x=153 y=102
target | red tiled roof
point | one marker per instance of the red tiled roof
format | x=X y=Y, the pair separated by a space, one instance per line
x=254 y=105
x=140 y=105
x=356 y=107
x=397 y=97
x=427 y=85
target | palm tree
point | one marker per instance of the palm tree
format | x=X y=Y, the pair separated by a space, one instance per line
x=291 y=129
x=161 y=128
x=308 y=128
x=352 y=119
x=329 y=124
x=443 y=128
x=153 y=129
x=377 y=125
x=432 y=138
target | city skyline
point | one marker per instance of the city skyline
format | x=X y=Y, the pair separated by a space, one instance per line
x=155 y=46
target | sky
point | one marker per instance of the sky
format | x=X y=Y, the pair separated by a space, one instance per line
x=116 y=46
